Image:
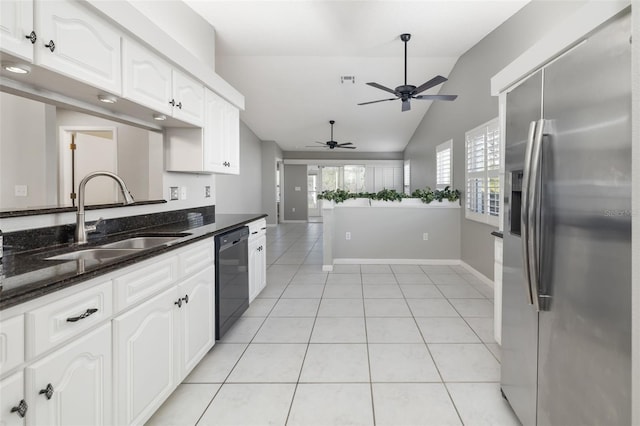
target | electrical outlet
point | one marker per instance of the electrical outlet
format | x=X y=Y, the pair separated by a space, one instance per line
x=183 y=193
x=425 y=236
x=173 y=193
x=347 y=236
x=20 y=190
x=293 y=209
x=207 y=191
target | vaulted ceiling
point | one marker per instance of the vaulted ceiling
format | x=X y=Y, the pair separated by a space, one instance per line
x=287 y=58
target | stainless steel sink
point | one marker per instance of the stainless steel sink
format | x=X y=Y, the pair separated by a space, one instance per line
x=94 y=254
x=140 y=243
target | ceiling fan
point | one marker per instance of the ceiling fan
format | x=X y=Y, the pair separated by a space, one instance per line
x=407 y=91
x=331 y=144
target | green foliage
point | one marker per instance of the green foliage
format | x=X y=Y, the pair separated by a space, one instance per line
x=427 y=195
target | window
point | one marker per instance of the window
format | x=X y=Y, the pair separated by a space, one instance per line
x=482 y=174
x=349 y=178
x=406 y=177
x=444 y=154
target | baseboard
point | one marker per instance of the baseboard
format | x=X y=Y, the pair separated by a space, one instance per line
x=347 y=261
x=477 y=274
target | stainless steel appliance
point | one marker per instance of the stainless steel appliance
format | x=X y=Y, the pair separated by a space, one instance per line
x=566 y=331
x=232 y=278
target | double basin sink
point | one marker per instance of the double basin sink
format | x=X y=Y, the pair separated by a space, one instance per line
x=117 y=249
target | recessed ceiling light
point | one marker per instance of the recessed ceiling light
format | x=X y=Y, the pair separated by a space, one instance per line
x=159 y=117
x=16 y=68
x=107 y=99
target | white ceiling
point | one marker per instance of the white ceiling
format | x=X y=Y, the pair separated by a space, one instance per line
x=287 y=57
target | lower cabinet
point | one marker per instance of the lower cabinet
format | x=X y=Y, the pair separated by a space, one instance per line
x=257 y=266
x=144 y=352
x=72 y=386
x=13 y=407
x=196 y=328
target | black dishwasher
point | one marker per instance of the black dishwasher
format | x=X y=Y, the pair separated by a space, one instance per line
x=232 y=278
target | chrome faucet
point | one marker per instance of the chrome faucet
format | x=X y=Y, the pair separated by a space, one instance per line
x=81 y=228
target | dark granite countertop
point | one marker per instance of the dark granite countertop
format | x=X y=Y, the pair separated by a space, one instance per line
x=28 y=276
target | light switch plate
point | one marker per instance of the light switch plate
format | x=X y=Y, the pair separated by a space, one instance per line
x=173 y=193
x=183 y=193
x=20 y=190
x=207 y=191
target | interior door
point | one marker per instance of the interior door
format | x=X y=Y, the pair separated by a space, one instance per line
x=313 y=183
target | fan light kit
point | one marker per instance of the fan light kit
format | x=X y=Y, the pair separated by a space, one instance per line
x=16 y=68
x=107 y=99
x=331 y=144
x=407 y=91
x=351 y=78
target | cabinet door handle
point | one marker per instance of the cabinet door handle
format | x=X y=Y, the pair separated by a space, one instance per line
x=87 y=313
x=21 y=408
x=179 y=303
x=51 y=46
x=254 y=232
x=48 y=391
x=172 y=102
x=179 y=105
x=32 y=38
x=186 y=298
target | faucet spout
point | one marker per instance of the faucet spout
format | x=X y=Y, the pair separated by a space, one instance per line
x=81 y=227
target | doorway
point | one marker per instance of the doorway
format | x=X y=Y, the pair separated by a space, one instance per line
x=313 y=188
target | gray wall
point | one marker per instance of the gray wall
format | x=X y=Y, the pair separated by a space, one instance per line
x=294 y=176
x=271 y=153
x=470 y=79
x=242 y=193
x=341 y=155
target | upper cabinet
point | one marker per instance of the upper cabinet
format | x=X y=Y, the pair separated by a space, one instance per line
x=150 y=81
x=221 y=135
x=17 y=35
x=77 y=43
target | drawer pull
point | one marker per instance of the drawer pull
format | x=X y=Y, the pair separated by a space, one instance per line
x=186 y=298
x=179 y=303
x=83 y=316
x=48 y=391
x=51 y=46
x=254 y=232
x=21 y=409
x=32 y=38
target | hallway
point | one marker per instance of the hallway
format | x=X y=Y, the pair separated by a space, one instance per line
x=362 y=345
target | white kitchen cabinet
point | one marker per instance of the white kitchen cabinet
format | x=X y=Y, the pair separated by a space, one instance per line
x=257 y=266
x=75 y=42
x=16 y=28
x=196 y=328
x=221 y=135
x=146 y=78
x=11 y=343
x=144 y=357
x=72 y=386
x=13 y=407
x=188 y=99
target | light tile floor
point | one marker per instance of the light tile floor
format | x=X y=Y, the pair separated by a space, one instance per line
x=362 y=345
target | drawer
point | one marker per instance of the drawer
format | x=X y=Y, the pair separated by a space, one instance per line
x=197 y=257
x=11 y=343
x=144 y=281
x=257 y=228
x=56 y=322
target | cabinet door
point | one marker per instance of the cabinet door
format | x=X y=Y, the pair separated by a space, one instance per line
x=214 y=151
x=11 y=398
x=197 y=319
x=254 y=266
x=232 y=138
x=16 y=25
x=188 y=96
x=81 y=45
x=11 y=343
x=262 y=264
x=72 y=386
x=144 y=359
x=146 y=79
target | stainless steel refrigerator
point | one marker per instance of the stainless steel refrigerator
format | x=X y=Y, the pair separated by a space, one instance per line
x=566 y=331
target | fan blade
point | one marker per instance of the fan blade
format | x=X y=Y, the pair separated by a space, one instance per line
x=406 y=105
x=345 y=143
x=321 y=143
x=381 y=100
x=436 y=97
x=438 y=79
x=381 y=87
x=346 y=147
x=312 y=146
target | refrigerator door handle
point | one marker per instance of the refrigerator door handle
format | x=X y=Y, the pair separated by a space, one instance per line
x=533 y=215
x=524 y=213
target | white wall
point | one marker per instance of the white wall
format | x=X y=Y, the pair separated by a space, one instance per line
x=242 y=193
x=635 y=218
